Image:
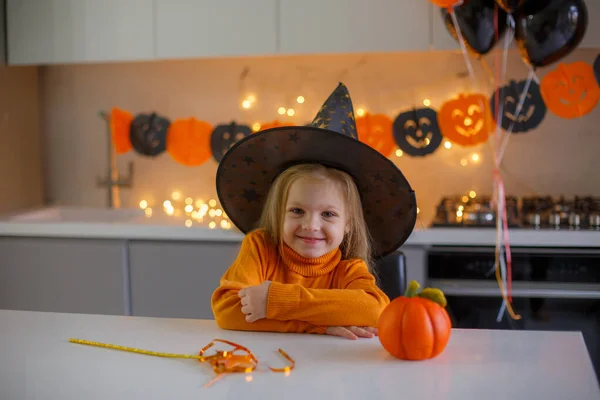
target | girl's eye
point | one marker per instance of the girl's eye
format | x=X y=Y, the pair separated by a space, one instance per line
x=328 y=214
x=296 y=211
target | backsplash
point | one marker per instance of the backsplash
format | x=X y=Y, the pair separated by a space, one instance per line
x=558 y=158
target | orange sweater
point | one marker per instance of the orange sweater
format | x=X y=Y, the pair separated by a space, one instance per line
x=306 y=294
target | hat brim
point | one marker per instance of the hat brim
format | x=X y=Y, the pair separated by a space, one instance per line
x=248 y=169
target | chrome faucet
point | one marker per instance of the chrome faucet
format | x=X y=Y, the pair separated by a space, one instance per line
x=112 y=181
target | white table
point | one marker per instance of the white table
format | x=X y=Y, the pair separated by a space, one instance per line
x=38 y=362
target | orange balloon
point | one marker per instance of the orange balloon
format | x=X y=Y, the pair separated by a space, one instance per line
x=466 y=120
x=571 y=90
x=120 y=122
x=376 y=131
x=188 y=141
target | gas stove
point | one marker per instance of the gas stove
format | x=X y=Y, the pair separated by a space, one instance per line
x=533 y=212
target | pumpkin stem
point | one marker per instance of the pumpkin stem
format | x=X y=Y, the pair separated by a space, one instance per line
x=412 y=288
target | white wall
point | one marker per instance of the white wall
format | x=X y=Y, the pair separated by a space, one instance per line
x=20 y=155
x=560 y=157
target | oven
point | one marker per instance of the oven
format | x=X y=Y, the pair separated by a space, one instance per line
x=555 y=289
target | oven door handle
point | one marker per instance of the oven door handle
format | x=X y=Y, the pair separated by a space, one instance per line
x=548 y=290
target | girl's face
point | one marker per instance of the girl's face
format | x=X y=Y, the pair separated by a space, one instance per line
x=315 y=217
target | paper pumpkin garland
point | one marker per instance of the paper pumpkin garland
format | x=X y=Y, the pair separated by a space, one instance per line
x=273 y=124
x=148 y=134
x=466 y=120
x=225 y=136
x=417 y=132
x=571 y=90
x=532 y=112
x=188 y=141
x=120 y=121
x=376 y=131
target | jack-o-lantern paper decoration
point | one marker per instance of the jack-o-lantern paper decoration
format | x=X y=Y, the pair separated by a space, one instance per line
x=466 y=120
x=273 y=124
x=597 y=69
x=120 y=123
x=225 y=136
x=532 y=111
x=376 y=131
x=571 y=90
x=188 y=141
x=417 y=132
x=148 y=134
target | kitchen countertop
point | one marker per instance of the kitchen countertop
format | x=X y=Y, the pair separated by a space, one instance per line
x=38 y=361
x=132 y=224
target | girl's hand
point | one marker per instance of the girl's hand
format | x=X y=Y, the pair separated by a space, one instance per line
x=352 y=332
x=254 y=301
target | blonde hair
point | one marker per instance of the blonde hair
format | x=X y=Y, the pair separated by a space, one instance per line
x=357 y=241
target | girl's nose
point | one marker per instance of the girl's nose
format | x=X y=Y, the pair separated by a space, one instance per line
x=310 y=222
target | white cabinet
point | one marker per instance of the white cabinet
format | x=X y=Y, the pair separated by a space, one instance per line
x=73 y=31
x=208 y=28
x=352 y=26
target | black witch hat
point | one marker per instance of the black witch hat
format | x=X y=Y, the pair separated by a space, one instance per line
x=248 y=169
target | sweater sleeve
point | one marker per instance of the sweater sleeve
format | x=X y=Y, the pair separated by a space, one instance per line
x=357 y=301
x=249 y=269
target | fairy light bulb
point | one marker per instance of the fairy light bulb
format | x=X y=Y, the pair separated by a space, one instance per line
x=188 y=223
x=399 y=153
x=189 y=200
x=212 y=202
x=291 y=112
x=468 y=121
x=199 y=203
x=418 y=210
x=281 y=110
x=251 y=98
x=475 y=157
x=256 y=127
x=176 y=195
x=246 y=104
x=426 y=102
x=212 y=224
x=447 y=144
x=300 y=99
x=143 y=204
x=189 y=208
x=464 y=162
x=360 y=112
x=148 y=212
x=465 y=199
x=472 y=194
x=167 y=204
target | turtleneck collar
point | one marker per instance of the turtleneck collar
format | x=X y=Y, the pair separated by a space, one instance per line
x=310 y=266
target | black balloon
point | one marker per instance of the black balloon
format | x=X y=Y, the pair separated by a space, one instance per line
x=148 y=134
x=532 y=111
x=417 y=132
x=475 y=20
x=512 y=5
x=548 y=30
x=597 y=68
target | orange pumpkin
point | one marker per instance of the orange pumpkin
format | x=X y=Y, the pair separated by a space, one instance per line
x=445 y=3
x=120 y=122
x=376 y=131
x=188 y=141
x=273 y=124
x=415 y=326
x=466 y=120
x=571 y=90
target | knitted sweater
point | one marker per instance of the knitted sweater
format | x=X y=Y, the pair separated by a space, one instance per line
x=306 y=294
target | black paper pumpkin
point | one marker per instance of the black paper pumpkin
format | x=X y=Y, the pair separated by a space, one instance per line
x=532 y=112
x=597 y=68
x=417 y=132
x=225 y=136
x=148 y=134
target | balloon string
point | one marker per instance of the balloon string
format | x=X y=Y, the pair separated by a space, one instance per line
x=462 y=46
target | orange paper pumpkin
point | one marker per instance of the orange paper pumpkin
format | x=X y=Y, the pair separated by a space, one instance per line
x=376 y=131
x=273 y=124
x=466 y=120
x=188 y=141
x=445 y=3
x=571 y=90
x=120 y=121
x=415 y=326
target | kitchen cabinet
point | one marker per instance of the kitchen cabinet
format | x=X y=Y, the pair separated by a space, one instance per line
x=353 y=26
x=205 y=28
x=62 y=275
x=77 y=31
x=177 y=279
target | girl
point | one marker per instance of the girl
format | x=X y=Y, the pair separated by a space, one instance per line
x=305 y=263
